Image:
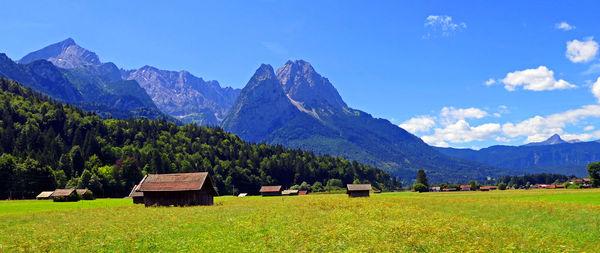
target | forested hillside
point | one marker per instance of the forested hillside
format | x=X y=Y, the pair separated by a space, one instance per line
x=46 y=144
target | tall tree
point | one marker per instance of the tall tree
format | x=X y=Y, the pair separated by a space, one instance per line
x=594 y=172
x=422 y=178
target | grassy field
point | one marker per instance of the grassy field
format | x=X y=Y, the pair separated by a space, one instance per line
x=502 y=221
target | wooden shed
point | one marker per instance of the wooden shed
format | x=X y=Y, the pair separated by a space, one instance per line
x=358 y=190
x=138 y=197
x=45 y=195
x=178 y=189
x=270 y=190
x=64 y=195
x=289 y=192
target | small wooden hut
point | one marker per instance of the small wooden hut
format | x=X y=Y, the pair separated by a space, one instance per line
x=178 y=189
x=289 y=192
x=65 y=195
x=45 y=195
x=270 y=190
x=138 y=197
x=358 y=190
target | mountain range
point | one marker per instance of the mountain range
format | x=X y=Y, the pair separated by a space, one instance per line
x=553 y=155
x=293 y=106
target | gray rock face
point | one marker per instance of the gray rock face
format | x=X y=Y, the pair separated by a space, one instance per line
x=304 y=85
x=185 y=96
x=64 y=54
x=261 y=108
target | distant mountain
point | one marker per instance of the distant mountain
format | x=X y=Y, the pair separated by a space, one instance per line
x=71 y=74
x=554 y=156
x=298 y=108
x=65 y=54
x=553 y=140
x=185 y=96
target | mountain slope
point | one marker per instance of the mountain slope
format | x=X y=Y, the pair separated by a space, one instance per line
x=553 y=140
x=563 y=158
x=301 y=109
x=64 y=54
x=185 y=96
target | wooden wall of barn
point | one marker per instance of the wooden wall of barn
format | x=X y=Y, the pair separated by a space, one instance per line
x=355 y=194
x=178 y=198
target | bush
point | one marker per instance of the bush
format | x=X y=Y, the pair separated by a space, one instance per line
x=317 y=187
x=502 y=186
x=420 y=187
x=87 y=195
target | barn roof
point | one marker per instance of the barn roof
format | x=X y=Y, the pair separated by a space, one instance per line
x=44 y=195
x=288 y=192
x=465 y=186
x=81 y=191
x=62 y=192
x=270 y=188
x=135 y=193
x=358 y=187
x=176 y=182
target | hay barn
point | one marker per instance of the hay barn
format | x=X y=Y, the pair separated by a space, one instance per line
x=178 y=189
x=138 y=197
x=270 y=190
x=44 y=195
x=65 y=195
x=358 y=190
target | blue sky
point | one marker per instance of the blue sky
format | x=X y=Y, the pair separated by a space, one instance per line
x=421 y=64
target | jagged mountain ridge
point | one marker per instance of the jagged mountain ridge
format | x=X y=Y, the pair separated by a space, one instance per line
x=299 y=108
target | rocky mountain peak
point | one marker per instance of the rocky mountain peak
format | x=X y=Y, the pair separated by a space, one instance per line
x=304 y=85
x=553 y=140
x=64 y=54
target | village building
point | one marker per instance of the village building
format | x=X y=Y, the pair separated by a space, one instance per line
x=465 y=187
x=138 y=197
x=289 y=192
x=45 y=195
x=449 y=189
x=270 y=190
x=178 y=189
x=435 y=189
x=358 y=190
x=302 y=192
x=488 y=188
x=65 y=195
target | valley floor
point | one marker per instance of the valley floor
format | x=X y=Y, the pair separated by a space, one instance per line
x=517 y=220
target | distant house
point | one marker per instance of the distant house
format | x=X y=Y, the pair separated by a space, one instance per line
x=65 y=195
x=270 y=190
x=377 y=191
x=550 y=187
x=358 y=190
x=241 y=195
x=45 y=195
x=302 y=192
x=435 y=189
x=80 y=191
x=449 y=189
x=178 y=189
x=584 y=182
x=465 y=187
x=137 y=196
x=488 y=188
x=560 y=186
x=289 y=192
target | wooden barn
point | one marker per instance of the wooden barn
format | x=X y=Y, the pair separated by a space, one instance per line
x=138 y=197
x=64 y=195
x=270 y=190
x=358 y=190
x=289 y=192
x=179 y=189
x=44 y=195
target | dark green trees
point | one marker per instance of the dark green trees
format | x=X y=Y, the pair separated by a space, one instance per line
x=422 y=178
x=594 y=172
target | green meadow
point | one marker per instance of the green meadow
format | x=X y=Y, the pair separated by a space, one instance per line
x=499 y=221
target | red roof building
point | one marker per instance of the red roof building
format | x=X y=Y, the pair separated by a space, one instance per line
x=270 y=190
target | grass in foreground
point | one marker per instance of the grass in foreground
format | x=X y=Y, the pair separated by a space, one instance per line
x=440 y=222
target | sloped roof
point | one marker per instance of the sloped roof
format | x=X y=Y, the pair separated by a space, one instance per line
x=287 y=192
x=62 y=192
x=44 y=195
x=358 y=187
x=81 y=191
x=270 y=188
x=465 y=186
x=135 y=193
x=176 y=182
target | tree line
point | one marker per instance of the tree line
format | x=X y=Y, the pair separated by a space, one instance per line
x=46 y=144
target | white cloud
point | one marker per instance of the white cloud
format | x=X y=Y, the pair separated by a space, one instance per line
x=564 y=26
x=502 y=139
x=461 y=132
x=540 y=128
x=450 y=114
x=593 y=69
x=589 y=128
x=490 y=82
x=443 y=25
x=596 y=89
x=582 y=51
x=418 y=124
x=534 y=79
